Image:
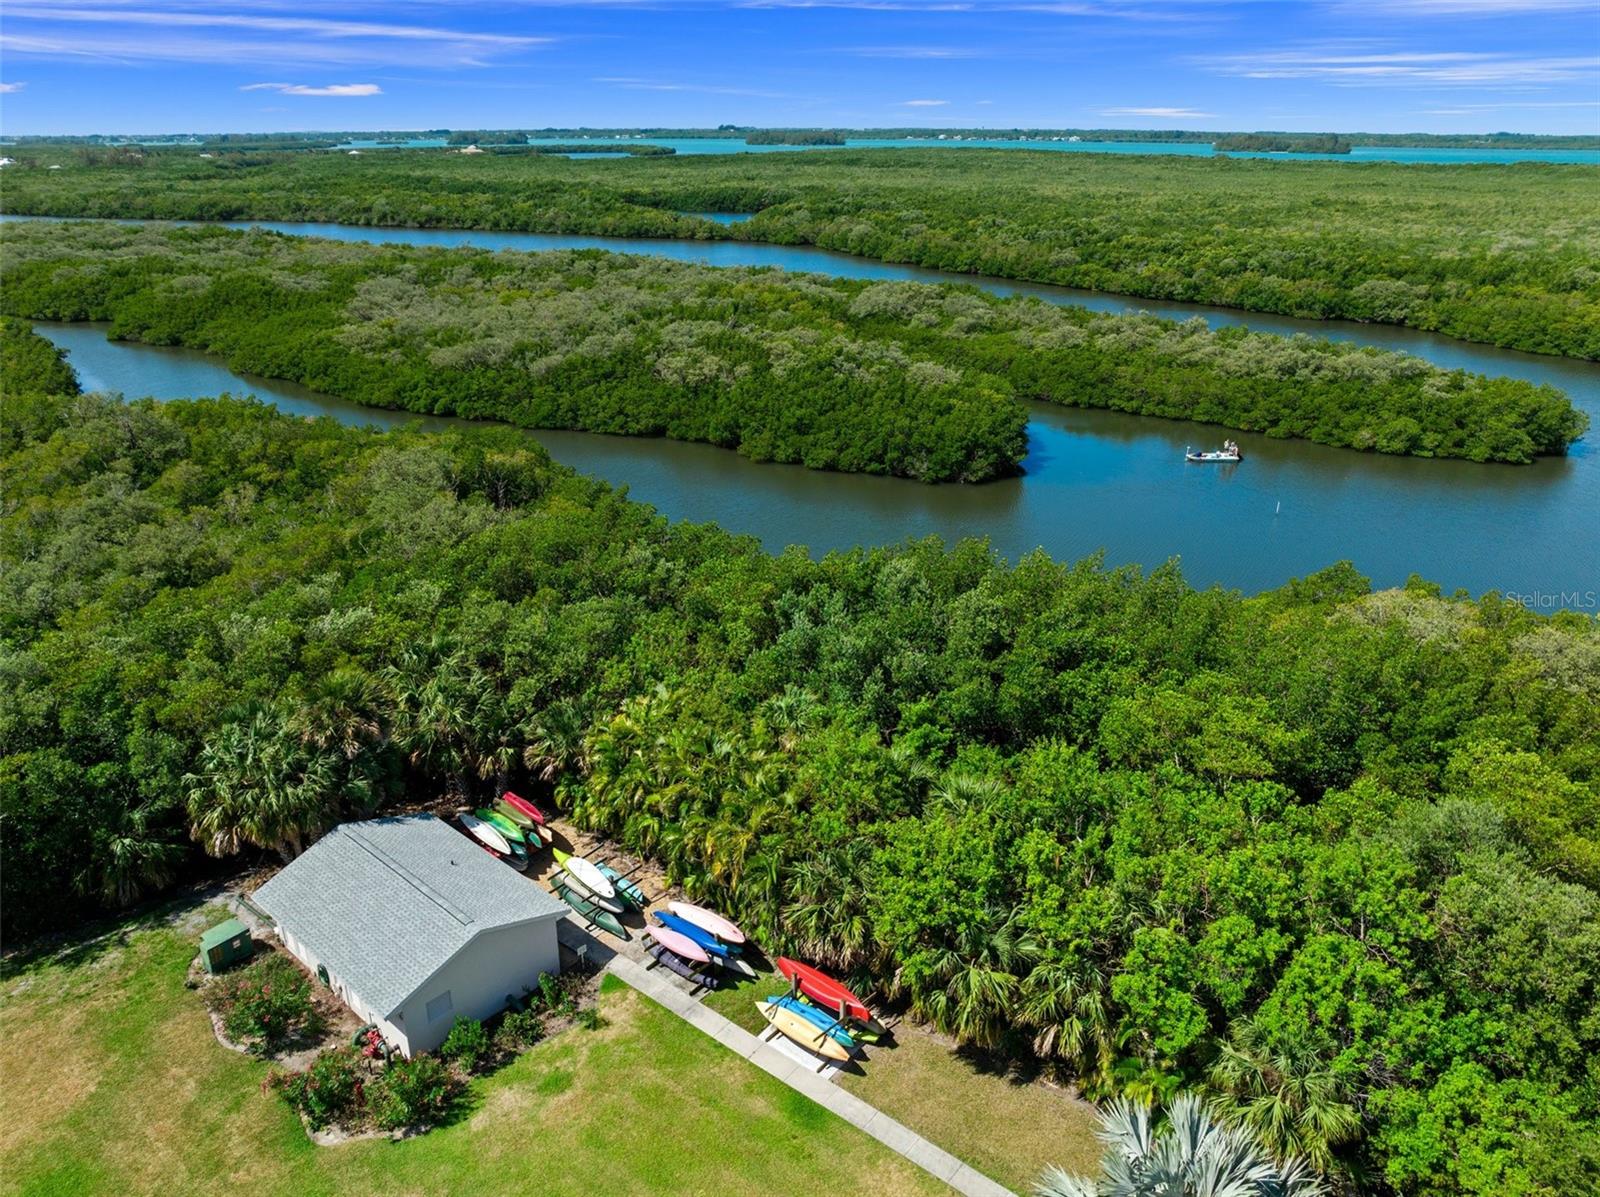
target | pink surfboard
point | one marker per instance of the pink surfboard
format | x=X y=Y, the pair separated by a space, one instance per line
x=707 y=920
x=679 y=944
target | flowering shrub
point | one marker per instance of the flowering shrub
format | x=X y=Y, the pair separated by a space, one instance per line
x=330 y=1090
x=266 y=1005
x=412 y=1092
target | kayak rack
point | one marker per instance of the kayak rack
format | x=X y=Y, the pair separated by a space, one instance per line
x=625 y=874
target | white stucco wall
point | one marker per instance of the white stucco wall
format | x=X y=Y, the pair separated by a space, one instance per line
x=478 y=978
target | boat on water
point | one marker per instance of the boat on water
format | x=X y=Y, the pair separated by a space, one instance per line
x=1229 y=452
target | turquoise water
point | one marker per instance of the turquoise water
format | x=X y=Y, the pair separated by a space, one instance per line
x=721 y=217
x=729 y=145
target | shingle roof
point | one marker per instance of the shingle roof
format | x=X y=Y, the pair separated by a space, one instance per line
x=384 y=904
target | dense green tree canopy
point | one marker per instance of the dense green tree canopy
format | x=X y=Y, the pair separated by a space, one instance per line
x=901 y=378
x=1316 y=852
x=1499 y=253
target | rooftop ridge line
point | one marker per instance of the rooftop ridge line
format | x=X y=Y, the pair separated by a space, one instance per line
x=410 y=878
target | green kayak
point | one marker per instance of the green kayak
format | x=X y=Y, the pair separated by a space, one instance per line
x=600 y=918
x=501 y=824
x=512 y=813
x=626 y=890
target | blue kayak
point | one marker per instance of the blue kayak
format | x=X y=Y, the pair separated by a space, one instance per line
x=704 y=938
x=820 y=1019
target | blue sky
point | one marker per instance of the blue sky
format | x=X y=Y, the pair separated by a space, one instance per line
x=146 y=66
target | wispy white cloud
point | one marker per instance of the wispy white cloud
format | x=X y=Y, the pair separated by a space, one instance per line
x=1151 y=10
x=914 y=52
x=636 y=84
x=304 y=89
x=1460 y=8
x=314 y=26
x=1171 y=113
x=7 y=89
x=239 y=31
x=925 y=103
x=1476 y=109
x=1363 y=65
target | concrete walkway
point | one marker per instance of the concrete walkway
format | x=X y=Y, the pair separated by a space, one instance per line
x=852 y=1109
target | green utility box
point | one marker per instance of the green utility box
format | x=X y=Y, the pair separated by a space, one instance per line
x=226 y=943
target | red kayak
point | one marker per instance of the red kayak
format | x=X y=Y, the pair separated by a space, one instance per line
x=828 y=993
x=518 y=802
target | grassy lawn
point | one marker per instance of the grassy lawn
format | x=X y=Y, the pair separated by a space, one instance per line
x=111 y=1082
x=1006 y=1129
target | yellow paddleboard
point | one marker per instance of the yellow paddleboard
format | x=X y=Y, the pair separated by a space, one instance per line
x=807 y=1034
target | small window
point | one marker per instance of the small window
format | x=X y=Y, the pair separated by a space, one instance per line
x=439 y=1007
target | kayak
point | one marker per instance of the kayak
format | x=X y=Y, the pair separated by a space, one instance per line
x=699 y=935
x=680 y=966
x=506 y=811
x=578 y=887
x=680 y=945
x=708 y=920
x=503 y=825
x=820 y=1019
x=536 y=835
x=485 y=834
x=600 y=918
x=593 y=879
x=789 y=1024
x=522 y=804
x=858 y=1032
x=628 y=891
x=828 y=993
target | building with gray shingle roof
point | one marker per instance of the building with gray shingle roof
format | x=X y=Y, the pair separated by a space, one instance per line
x=413 y=925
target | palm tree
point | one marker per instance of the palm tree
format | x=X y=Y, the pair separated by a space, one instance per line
x=1282 y=1089
x=450 y=716
x=1192 y=1155
x=960 y=790
x=555 y=741
x=131 y=860
x=790 y=714
x=971 y=987
x=827 y=913
x=258 y=783
x=1068 y=1009
x=340 y=712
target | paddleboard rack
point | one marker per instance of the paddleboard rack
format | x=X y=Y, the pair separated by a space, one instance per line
x=625 y=874
x=672 y=962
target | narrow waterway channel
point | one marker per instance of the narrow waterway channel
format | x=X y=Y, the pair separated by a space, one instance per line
x=1094 y=480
